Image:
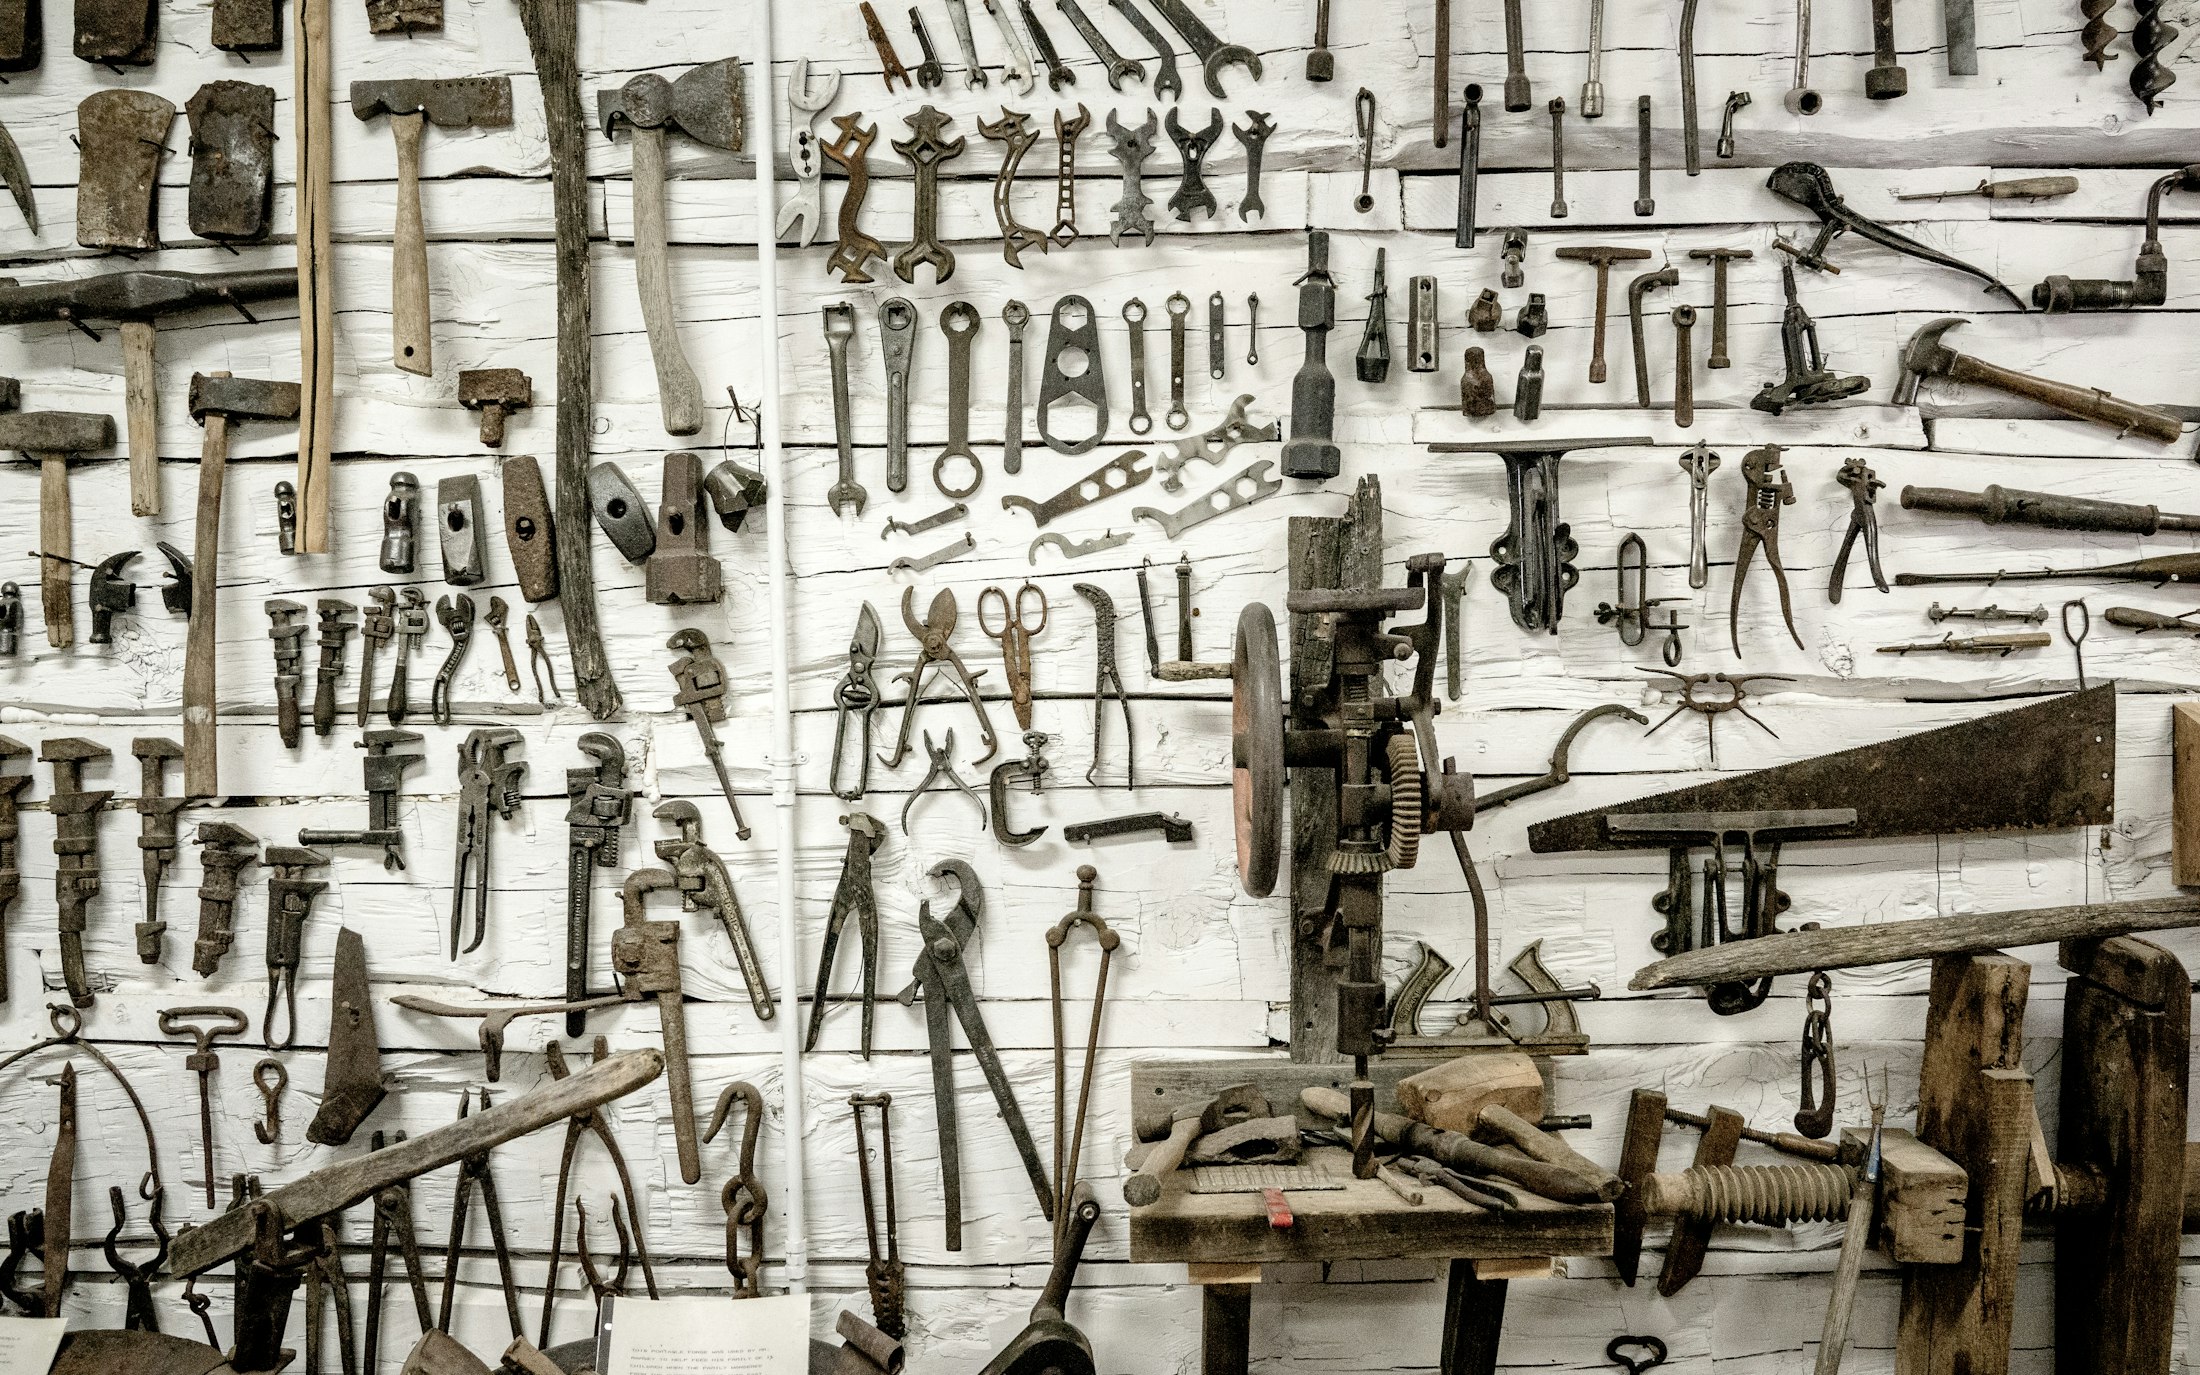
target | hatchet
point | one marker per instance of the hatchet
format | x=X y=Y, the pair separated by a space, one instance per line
x=463 y=102
x=705 y=104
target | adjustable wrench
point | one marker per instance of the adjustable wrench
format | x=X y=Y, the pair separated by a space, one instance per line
x=1016 y=315
x=1118 y=65
x=803 y=108
x=1016 y=71
x=499 y=616
x=840 y=327
x=897 y=324
x=958 y=13
x=411 y=622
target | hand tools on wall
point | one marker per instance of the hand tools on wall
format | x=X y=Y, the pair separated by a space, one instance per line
x=474 y=1177
x=1645 y=204
x=646 y=956
x=1031 y=770
x=1371 y=363
x=124 y=135
x=290 y=898
x=1066 y=134
x=1012 y=130
x=156 y=836
x=942 y=766
x=935 y=649
x=1248 y=485
x=1936 y=613
x=225 y=849
x=53 y=439
x=2017 y=188
x=1016 y=70
x=802 y=212
x=1470 y=167
x=480 y=102
x=1684 y=367
x=498 y=618
x=232 y=159
x=400 y=524
x=959 y=321
x=840 y=330
x=1637 y=289
x=384 y=771
x=2170 y=568
x=1107 y=682
x=1073 y=377
x=1806 y=381
x=1167 y=84
x=203 y=1025
x=457 y=617
x=1066 y=1183
x=897 y=328
x=488 y=782
x=377 y=626
x=137 y=1276
x=742 y=1195
x=1807 y=184
x=1192 y=192
x=271 y=1079
x=1924 y=355
x=679 y=572
x=1998 y=505
x=2151 y=37
x=1999 y=646
x=335 y=626
x=854 y=899
x=351 y=1083
x=883 y=1274
x=1557 y=110
x=1864 y=487
x=1179 y=307
x=930 y=74
x=1719 y=258
x=2149 y=284
x=857 y=695
x=701 y=693
x=705 y=103
x=1800 y=98
x=1118 y=66
x=925 y=151
x=539 y=663
x=1532 y=562
x=889 y=60
x=705 y=885
x=496 y=393
x=854 y=249
x=11 y=619
x=1632 y=615
x=1766 y=490
x=598 y=806
x=1601 y=257
x=1213 y=54
x=76 y=850
x=1310 y=452
x=1131 y=214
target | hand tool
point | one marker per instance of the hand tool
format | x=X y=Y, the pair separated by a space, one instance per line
x=646 y=957
x=1557 y=109
x=1215 y=445
x=678 y=572
x=1118 y=66
x=852 y=897
x=1814 y=1116
x=856 y=694
x=227 y=849
x=948 y=991
x=400 y=524
x=1107 y=682
x=489 y=782
x=1800 y=98
x=700 y=682
x=705 y=103
x=384 y=769
x=311 y=141
x=125 y=134
x=2020 y=188
x=1031 y=770
x=1310 y=452
x=1735 y=686
x=474 y=1176
x=1212 y=53
x=2001 y=646
x=1171 y=1138
x=2130 y=618
x=551 y=27
x=1936 y=613
x=1167 y=84
x=290 y=897
x=11 y=619
x=2149 y=284
x=498 y=619
x=1592 y=85
x=942 y=766
x=883 y=1274
x=1533 y=559
x=1017 y=317
x=1653 y=1349
x=202 y=1061
x=539 y=663
x=1216 y=334
x=1806 y=380
x=930 y=74
x=137 y=1276
x=1058 y=72
x=336 y=626
x=1130 y=149
x=925 y=524
x=803 y=208
x=451 y=103
x=598 y=807
x=54 y=439
x=853 y=249
x=1768 y=489
x=1179 y=307
x=58 y=1240
x=377 y=626
x=1252 y=328
x=112 y=594
x=1601 y=257
x=897 y=323
x=76 y=850
x=156 y=834
x=735 y=491
x=392 y=1221
x=232 y=160
x=1420 y=324
x=1076 y=549
x=457 y=618
x=889 y=62
x=1363 y=119
x=1485 y=315
x=1371 y=363
x=1632 y=615
x=1864 y=487
x=1014 y=635
x=1192 y=192
x=1807 y=184
x=1119 y=474
x=1066 y=1183
x=1013 y=129
x=1513 y=252
x=1863 y=1206
x=12 y=787
x=1458 y=1151
x=1636 y=290
x=13 y=172
x=1684 y=367
x=743 y=1195
x=924 y=563
x=1175 y=829
x=959 y=321
x=2098 y=33
x=1016 y=73
x=1470 y=166
x=1241 y=489
x=1645 y=205
x=958 y=12
x=1924 y=355
x=496 y=393
x=1528 y=387
x=351 y=1084
x=840 y=328
x=461 y=530
x=1454 y=591
x=1735 y=102
x=705 y=885
x=2171 y=568
x=1886 y=80
x=1073 y=334
x=1718 y=258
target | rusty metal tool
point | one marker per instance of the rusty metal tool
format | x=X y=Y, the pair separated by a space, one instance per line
x=853 y=897
x=1806 y=380
x=12 y=788
x=1066 y=134
x=942 y=758
x=1179 y=307
x=204 y=1024
x=974 y=74
x=287 y=629
x=1132 y=213
x=271 y=1079
x=457 y=617
x=336 y=626
x=1059 y=73
x=1767 y=490
x=232 y=158
x=1470 y=165
x=1030 y=770
x=498 y=618
x=539 y=663
x=2001 y=646
x=853 y=249
x=897 y=328
x=1066 y=1155
x=1014 y=131
x=1864 y=487
x=1167 y=83
x=290 y=897
x=1936 y=613
x=705 y=103
x=1636 y=290
x=700 y=682
x=124 y=135
x=377 y=626
x=1107 y=682
x=1633 y=615
x=2017 y=188
x=1213 y=54
x=392 y=1222
x=802 y=213
x=1886 y=80
x=1192 y=192
x=1371 y=361
x=496 y=393
x=1557 y=110
x=1601 y=257
x=480 y=102
x=926 y=151
x=598 y=806
x=1175 y=829
x=840 y=329
x=959 y=321
x=646 y=956
x=488 y=782
x=1736 y=101
x=226 y=848
x=935 y=649
x=1532 y=563
x=1311 y=452
x=474 y=1177
x=930 y=74
x=2133 y=618
x=351 y=1084
x=1017 y=317
x=1718 y=258
x=400 y=524
x=1014 y=635
x=1016 y=71
x=857 y=695
x=1800 y=98
x=13 y=173
x=1118 y=66
x=706 y=886
x=1691 y=134
x=1214 y=445
x=1420 y=324
x=1807 y=184
x=156 y=836
x=1925 y=355
x=76 y=850
x=54 y=439
x=1684 y=367
x=384 y=771
x=679 y=572
x=1321 y=63
x=883 y=1275
x=2172 y=568
x=137 y=1276
x=889 y=61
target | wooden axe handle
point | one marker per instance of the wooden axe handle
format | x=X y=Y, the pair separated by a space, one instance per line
x=201 y=776
x=409 y=336
x=679 y=395
x=141 y=415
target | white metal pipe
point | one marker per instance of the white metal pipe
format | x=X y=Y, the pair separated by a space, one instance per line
x=779 y=601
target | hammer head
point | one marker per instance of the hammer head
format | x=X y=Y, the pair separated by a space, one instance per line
x=458 y=102
x=72 y=749
x=56 y=432
x=1603 y=255
x=1925 y=356
x=496 y=393
x=704 y=103
x=242 y=398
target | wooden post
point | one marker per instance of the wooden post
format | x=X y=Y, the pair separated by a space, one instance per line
x=1474 y=1318
x=2184 y=794
x=1314 y=543
x=316 y=323
x=1974 y=1105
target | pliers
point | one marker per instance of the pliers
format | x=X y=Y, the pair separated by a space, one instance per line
x=457 y=617
x=1107 y=682
x=943 y=762
x=852 y=898
x=933 y=648
x=1864 y=487
x=589 y=1121
x=857 y=693
x=473 y=1175
x=1769 y=490
x=392 y=1217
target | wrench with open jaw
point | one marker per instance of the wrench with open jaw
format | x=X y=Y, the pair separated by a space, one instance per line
x=1167 y=83
x=700 y=681
x=840 y=328
x=488 y=783
x=927 y=150
x=704 y=885
x=1243 y=488
x=1215 y=445
x=804 y=105
x=1212 y=52
x=934 y=637
x=1066 y=134
x=1016 y=72
x=1014 y=131
x=1132 y=212
x=1118 y=474
x=1118 y=65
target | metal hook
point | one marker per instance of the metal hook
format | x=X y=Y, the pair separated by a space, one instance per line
x=2077 y=639
x=1615 y=1352
x=270 y=1129
x=1814 y=1118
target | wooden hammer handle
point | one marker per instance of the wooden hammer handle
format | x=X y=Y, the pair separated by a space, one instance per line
x=55 y=574
x=1162 y=1161
x=1532 y=1140
x=201 y=776
x=141 y=416
x=410 y=349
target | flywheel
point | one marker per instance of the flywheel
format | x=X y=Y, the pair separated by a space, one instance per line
x=1256 y=749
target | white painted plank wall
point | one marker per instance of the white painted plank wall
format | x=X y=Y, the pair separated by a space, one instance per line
x=1205 y=968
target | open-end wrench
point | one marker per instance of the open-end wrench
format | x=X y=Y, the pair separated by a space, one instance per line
x=803 y=108
x=959 y=322
x=500 y=616
x=1130 y=148
x=1192 y=192
x=1016 y=315
x=840 y=327
x=1212 y=52
x=958 y=13
x=926 y=150
x=1058 y=71
x=1134 y=315
x=889 y=63
x=1016 y=71
x=897 y=327
x=1167 y=84
x=1253 y=134
x=930 y=74
x=1180 y=310
x=1118 y=65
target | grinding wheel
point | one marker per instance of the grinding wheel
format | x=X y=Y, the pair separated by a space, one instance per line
x=1256 y=748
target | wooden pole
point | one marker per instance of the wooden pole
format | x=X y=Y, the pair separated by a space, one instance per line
x=316 y=323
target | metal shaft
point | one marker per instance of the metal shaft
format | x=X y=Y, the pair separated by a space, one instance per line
x=1592 y=86
x=1691 y=153
x=1517 y=97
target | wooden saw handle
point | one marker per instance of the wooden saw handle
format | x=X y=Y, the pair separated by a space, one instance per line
x=409 y=347
x=679 y=395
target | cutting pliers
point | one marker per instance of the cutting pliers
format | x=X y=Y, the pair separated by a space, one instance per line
x=857 y=694
x=1864 y=487
x=1769 y=490
x=934 y=634
x=943 y=764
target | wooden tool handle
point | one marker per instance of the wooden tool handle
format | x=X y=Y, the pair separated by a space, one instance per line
x=1533 y=1141
x=1162 y=1161
x=55 y=575
x=1460 y=1151
x=409 y=347
x=1833 y=1339
x=200 y=767
x=2086 y=403
x=679 y=395
x=142 y=416
x=316 y=322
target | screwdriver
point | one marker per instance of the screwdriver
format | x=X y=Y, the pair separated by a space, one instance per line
x=2021 y=189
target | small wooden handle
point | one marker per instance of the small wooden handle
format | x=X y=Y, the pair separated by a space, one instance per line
x=55 y=574
x=409 y=346
x=142 y=416
x=201 y=769
x=1162 y=1161
x=679 y=395
x=1531 y=1140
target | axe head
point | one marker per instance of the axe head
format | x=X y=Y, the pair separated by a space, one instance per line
x=1925 y=356
x=22 y=35
x=56 y=432
x=123 y=134
x=242 y=398
x=457 y=102
x=704 y=103
x=232 y=159
x=119 y=32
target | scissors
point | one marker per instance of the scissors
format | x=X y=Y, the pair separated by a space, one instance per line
x=1015 y=634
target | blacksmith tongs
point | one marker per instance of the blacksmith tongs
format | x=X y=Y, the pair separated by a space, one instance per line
x=934 y=636
x=1864 y=487
x=852 y=898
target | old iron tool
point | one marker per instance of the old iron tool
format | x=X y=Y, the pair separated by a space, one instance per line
x=856 y=695
x=1179 y=307
x=1175 y=829
x=384 y=769
x=942 y=766
x=1241 y=489
x=974 y=74
x=1214 y=445
x=1806 y=184
x=1014 y=132
x=112 y=592
x=1420 y=324
x=1016 y=72
x=335 y=616
x=679 y=571
x=959 y=321
x=1814 y=1116
x=156 y=835
x=598 y=806
x=889 y=68
x=1073 y=378
x=204 y=1025
x=410 y=621
x=589 y=1119
x=1518 y=96
x=700 y=682
x=1484 y=1025
x=290 y=897
x=1736 y=101
x=1213 y=54
x=1936 y=613
x=1532 y=562
x=1076 y=549
x=1864 y=487
x=1767 y=490
x=1684 y=367
x=1014 y=635
x=2019 y=188
x=400 y=524
x=1806 y=380
x=232 y=159
x=1886 y=80
x=743 y=1195
x=1637 y=289
x=1253 y=137
x=496 y=394
x=1066 y=134
x=1017 y=317
x=925 y=563
x=2151 y=43
x=1617 y=1352
x=1695 y=691
x=498 y=618
x=287 y=630
x=1800 y=98
x=925 y=151
x=1119 y=474
x=1477 y=387
x=1132 y=213
x=1168 y=84
x=226 y=848
x=1513 y=253
x=1146 y=616
x=539 y=663
x=124 y=135
x=12 y=788
x=76 y=815
x=1066 y=1154
x=1030 y=770
x=935 y=649
x=1192 y=192
x=1632 y=615
x=930 y=74
x=2170 y=568
x=1453 y=589
x=1601 y=257
x=897 y=325
x=1371 y=363
x=393 y=1222
x=646 y=956
x=53 y=440
x=377 y=627
x=621 y=513
x=840 y=330
x=475 y=1177
x=1999 y=646
x=488 y=783
x=1311 y=452
x=11 y=619
x=457 y=617
x=853 y=249
x=802 y=212
x=1107 y=682
x=352 y=1085
x=1925 y=355
x=1557 y=110
x=706 y=886
x=1718 y=258
x=480 y=102
x=1119 y=67
x=883 y=1274
x=1470 y=167
x=1645 y=204
x=2149 y=284
x=137 y=1276
x=853 y=898
x=13 y=173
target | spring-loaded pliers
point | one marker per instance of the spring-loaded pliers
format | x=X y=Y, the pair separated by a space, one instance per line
x=934 y=648
x=943 y=762
x=857 y=694
x=1769 y=490
x=743 y=1196
x=137 y=1276
x=392 y=1217
x=704 y=885
x=1864 y=487
x=456 y=615
x=852 y=898
x=584 y=1122
x=473 y=1176
x=1106 y=682
x=488 y=782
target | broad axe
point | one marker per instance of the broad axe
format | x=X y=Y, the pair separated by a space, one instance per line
x=705 y=104
x=138 y=300
x=218 y=401
x=466 y=102
x=1926 y=356
x=54 y=438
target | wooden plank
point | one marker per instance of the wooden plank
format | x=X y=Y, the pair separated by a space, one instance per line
x=1638 y=1158
x=1691 y=1239
x=1316 y=560
x=1921 y=1196
x=2184 y=814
